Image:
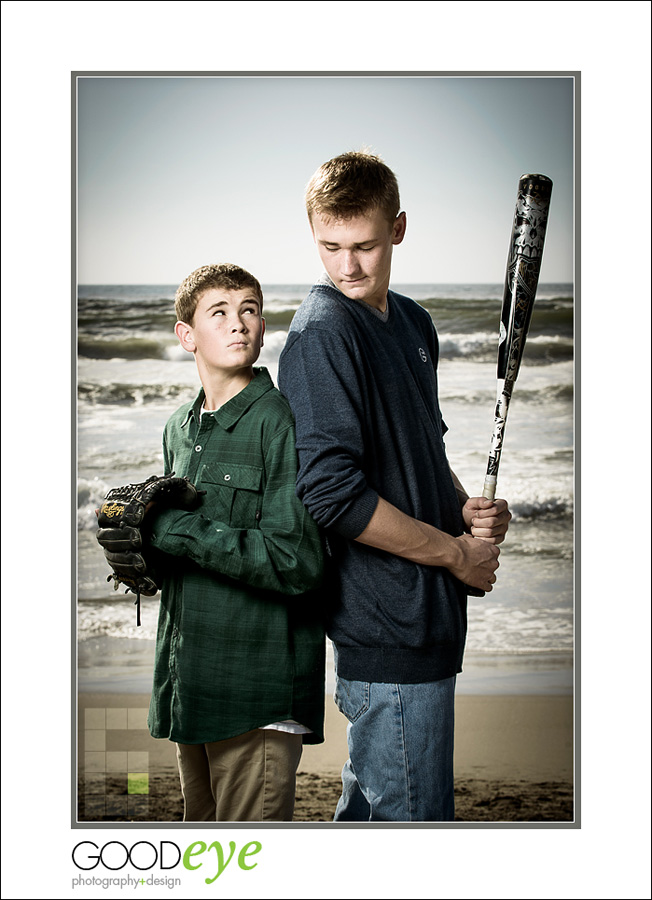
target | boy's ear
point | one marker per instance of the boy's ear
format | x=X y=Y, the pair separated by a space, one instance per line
x=399 y=228
x=184 y=332
x=262 y=333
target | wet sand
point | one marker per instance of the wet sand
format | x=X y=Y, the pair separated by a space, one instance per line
x=513 y=762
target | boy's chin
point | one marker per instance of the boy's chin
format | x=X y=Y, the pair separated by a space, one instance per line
x=231 y=369
x=353 y=293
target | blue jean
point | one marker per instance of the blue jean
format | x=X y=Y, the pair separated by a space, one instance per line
x=400 y=737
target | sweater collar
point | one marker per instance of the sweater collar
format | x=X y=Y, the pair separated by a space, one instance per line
x=233 y=410
x=326 y=281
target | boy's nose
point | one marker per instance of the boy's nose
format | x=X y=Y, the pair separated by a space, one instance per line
x=349 y=263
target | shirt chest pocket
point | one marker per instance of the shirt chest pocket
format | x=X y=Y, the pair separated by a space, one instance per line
x=233 y=493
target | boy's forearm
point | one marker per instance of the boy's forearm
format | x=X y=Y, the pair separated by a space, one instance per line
x=472 y=561
x=266 y=558
x=395 y=532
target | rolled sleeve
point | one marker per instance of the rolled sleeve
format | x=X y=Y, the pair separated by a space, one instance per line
x=319 y=377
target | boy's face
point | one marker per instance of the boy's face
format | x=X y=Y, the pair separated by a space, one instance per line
x=227 y=330
x=357 y=253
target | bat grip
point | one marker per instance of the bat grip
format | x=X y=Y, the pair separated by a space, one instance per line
x=489 y=490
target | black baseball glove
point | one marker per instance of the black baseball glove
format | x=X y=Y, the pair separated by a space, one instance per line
x=124 y=519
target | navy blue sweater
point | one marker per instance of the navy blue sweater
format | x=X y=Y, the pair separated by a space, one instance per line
x=364 y=394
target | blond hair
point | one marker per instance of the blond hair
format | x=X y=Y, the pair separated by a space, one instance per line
x=352 y=185
x=225 y=276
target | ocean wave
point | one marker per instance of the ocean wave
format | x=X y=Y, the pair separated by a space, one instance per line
x=279 y=317
x=475 y=347
x=454 y=345
x=90 y=493
x=483 y=347
x=117 y=618
x=127 y=394
x=502 y=628
x=541 y=396
x=564 y=392
x=548 y=348
x=554 y=507
x=272 y=347
x=565 y=653
x=128 y=314
x=120 y=464
x=130 y=394
x=542 y=552
x=176 y=353
x=123 y=348
x=549 y=317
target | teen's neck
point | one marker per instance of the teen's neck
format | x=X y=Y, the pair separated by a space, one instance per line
x=220 y=387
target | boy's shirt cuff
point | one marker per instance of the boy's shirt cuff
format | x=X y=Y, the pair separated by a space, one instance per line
x=168 y=526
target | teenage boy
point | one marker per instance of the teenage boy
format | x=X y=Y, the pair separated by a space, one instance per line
x=360 y=371
x=239 y=668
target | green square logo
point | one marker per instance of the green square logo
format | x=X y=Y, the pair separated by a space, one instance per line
x=137 y=783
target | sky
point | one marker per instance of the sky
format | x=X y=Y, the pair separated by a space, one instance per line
x=177 y=172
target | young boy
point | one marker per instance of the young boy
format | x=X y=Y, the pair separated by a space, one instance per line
x=373 y=472
x=239 y=669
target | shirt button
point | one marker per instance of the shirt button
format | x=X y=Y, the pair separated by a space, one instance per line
x=198 y=448
x=227 y=478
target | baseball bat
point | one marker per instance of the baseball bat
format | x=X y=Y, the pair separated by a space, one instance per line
x=521 y=279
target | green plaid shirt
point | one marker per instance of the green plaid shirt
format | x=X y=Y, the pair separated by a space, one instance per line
x=240 y=640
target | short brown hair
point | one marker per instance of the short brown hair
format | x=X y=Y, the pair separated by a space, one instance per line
x=225 y=276
x=351 y=185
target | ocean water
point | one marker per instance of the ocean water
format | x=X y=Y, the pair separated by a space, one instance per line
x=132 y=374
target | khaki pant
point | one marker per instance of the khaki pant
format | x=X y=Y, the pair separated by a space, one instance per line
x=248 y=778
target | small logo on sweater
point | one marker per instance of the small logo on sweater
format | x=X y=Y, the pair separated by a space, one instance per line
x=422 y=354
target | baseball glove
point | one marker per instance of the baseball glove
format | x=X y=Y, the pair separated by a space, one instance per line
x=123 y=521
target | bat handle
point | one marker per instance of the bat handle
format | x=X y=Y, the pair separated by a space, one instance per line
x=489 y=490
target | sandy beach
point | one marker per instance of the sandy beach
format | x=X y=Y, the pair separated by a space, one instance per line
x=513 y=762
